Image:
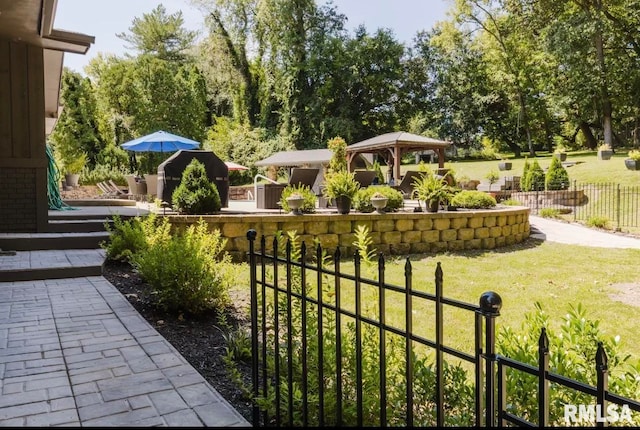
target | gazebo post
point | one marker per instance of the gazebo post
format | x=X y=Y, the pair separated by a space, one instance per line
x=396 y=162
x=441 y=158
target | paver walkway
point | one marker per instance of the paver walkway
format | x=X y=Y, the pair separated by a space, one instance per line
x=75 y=352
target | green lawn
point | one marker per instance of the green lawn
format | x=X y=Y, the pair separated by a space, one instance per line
x=587 y=168
x=556 y=275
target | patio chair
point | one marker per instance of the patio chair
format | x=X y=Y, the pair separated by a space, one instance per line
x=106 y=191
x=137 y=188
x=406 y=186
x=116 y=189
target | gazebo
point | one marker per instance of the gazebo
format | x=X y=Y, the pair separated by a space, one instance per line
x=391 y=147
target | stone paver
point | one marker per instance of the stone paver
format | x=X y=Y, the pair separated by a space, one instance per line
x=74 y=352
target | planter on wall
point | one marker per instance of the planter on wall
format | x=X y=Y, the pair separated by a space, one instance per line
x=343 y=204
x=604 y=154
x=562 y=156
x=632 y=164
x=505 y=165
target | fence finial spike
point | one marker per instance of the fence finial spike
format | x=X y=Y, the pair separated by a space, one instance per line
x=438 y=272
x=252 y=234
x=407 y=267
x=543 y=341
x=602 y=360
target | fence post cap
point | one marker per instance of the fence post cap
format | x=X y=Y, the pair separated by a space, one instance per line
x=490 y=303
x=251 y=234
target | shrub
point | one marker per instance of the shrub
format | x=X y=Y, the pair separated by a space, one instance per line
x=338 y=162
x=511 y=202
x=598 y=221
x=362 y=200
x=525 y=184
x=473 y=199
x=189 y=269
x=534 y=179
x=128 y=237
x=309 y=205
x=102 y=173
x=556 y=177
x=549 y=213
x=572 y=354
x=196 y=194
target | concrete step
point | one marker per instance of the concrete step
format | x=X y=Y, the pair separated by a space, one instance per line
x=52 y=241
x=50 y=264
x=78 y=225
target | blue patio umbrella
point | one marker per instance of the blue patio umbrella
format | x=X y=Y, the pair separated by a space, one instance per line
x=160 y=141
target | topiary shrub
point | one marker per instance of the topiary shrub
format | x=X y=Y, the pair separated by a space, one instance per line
x=309 y=205
x=473 y=199
x=525 y=183
x=362 y=200
x=534 y=179
x=196 y=194
x=556 y=177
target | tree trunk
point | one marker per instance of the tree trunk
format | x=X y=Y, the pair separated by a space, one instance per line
x=592 y=143
x=607 y=109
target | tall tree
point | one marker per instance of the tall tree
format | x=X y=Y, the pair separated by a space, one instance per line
x=77 y=129
x=160 y=34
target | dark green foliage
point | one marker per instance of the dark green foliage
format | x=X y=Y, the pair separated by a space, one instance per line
x=556 y=177
x=362 y=200
x=196 y=194
x=473 y=199
x=309 y=205
x=572 y=353
x=189 y=269
x=534 y=178
x=128 y=237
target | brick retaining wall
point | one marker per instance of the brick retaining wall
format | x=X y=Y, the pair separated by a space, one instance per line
x=392 y=233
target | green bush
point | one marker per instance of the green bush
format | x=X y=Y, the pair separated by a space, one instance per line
x=473 y=199
x=128 y=237
x=511 y=202
x=189 y=269
x=549 y=213
x=362 y=200
x=598 y=221
x=310 y=198
x=196 y=194
x=535 y=177
x=102 y=173
x=572 y=353
x=556 y=177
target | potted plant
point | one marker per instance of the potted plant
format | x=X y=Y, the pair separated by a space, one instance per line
x=560 y=153
x=431 y=189
x=504 y=164
x=379 y=201
x=295 y=201
x=633 y=160
x=72 y=169
x=342 y=187
x=492 y=177
x=604 y=152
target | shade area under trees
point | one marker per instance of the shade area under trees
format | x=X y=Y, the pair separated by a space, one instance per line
x=273 y=75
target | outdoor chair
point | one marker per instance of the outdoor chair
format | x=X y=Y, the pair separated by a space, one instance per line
x=137 y=188
x=116 y=189
x=406 y=185
x=106 y=191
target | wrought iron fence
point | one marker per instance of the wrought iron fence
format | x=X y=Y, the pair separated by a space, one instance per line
x=583 y=201
x=310 y=350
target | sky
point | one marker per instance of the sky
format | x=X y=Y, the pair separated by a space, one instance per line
x=104 y=19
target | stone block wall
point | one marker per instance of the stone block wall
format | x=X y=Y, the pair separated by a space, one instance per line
x=392 y=233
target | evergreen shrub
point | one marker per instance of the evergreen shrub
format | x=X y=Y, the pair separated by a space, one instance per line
x=196 y=194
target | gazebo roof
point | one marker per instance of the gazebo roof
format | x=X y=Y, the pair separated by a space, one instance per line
x=398 y=138
x=392 y=145
x=297 y=158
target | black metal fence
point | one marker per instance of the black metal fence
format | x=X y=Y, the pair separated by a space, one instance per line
x=618 y=204
x=313 y=364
